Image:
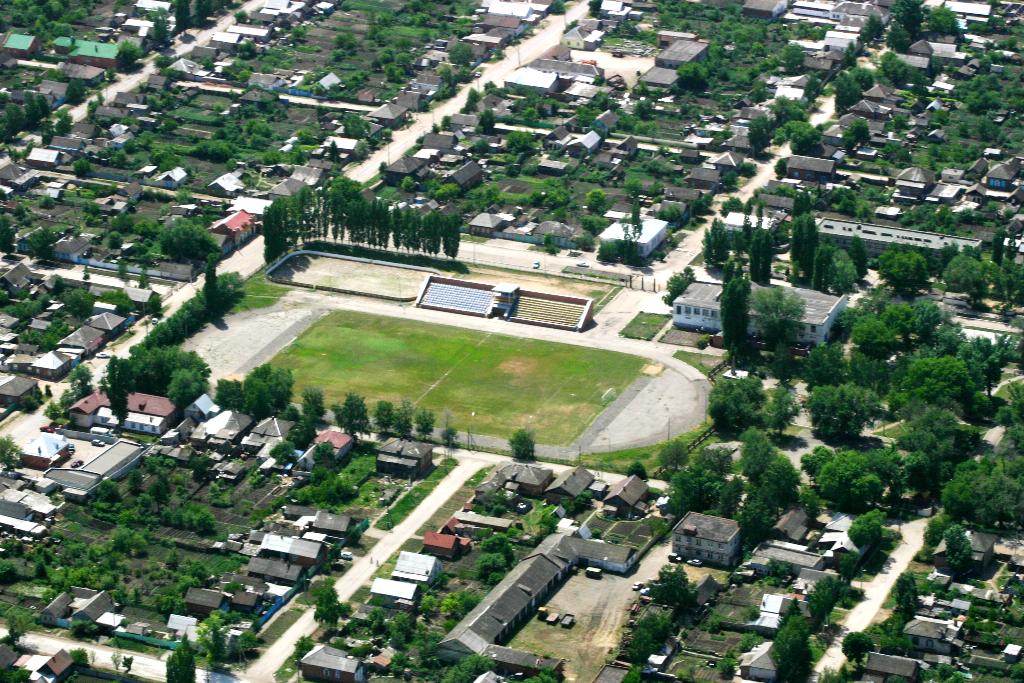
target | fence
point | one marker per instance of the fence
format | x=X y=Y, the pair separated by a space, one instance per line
x=148 y=640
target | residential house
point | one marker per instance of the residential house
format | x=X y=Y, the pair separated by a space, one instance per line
x=811 y=169
x=1002 y=177
x=101 y=55
x=795 y=556
x=222 y=432
x=389 y=115
x=275 y=571
x=982 y=551
x=19 y=45
x=14 y=389
x=792 y=527
x=681 y=52
x=81 y=605
x=392 y=594
x=45 y=451
x=268 y=432
x=448 y=546
x=569 y=485
x=518 y=478
x=302 y=552
x=881 y=668
x=325 y=663
x=759 y=664
x=715 y=540
x=935 y=636
x=405 y=459
x=53 y=668
x=416 y=568
x=627 y=497
x=237 y=228
x=406 y=167
x=202 y=602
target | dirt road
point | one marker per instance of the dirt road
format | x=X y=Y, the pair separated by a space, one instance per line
x=548 y=34
x=363 y=569
x=876 y=591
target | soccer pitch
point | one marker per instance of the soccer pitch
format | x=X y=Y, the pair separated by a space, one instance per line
x=490 y=383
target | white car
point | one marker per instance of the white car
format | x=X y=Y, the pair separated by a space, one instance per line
x=694 y=562
x=582 y=264
x=103 y=355
x=346 y=555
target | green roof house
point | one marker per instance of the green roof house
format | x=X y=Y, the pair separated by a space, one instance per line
x=102 y=55
x=19 y=45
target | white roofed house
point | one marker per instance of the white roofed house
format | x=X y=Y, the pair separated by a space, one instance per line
x=653 y=232
x=299 y=551
x=395 y=594
x=416 y=568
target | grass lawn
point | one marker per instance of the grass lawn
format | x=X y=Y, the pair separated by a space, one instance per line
x=702 y=361
x=258 y=293
x=645 y=326
x=619 y=461
x=554 y=389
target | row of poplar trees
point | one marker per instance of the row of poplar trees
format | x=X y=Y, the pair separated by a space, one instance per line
x=340 y=212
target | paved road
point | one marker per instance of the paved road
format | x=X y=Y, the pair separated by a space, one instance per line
x=876 y=591
x=547 y=35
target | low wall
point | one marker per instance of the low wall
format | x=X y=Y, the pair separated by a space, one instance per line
x=87 y=436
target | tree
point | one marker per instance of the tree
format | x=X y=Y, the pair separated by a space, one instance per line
x=716 y=243
x=460 y=54
x=791 y=650
x=181 y=665
x=759 y=134
x=857 y=645
x=41 y=241
x=203 y=9
x=673 y=589
x=522 y=445
x=792 y=58
x=777 y=312
x=899 y=40
x=905 y=271
x=824 y=365
x=803 y=246
x=969 y=275
x=780 y=410
x=488 y=119
x=352 y=415
x=958 y=550
x=161 y=30
x=842 y=412
x=424 y=423
x=735 y=309
x=942 y=20
x=872 y=30
x=404 y=416
x=187 y=384
x=908 y=14
x=597 y=201
x=756 y=454
x=182 y=15
x=905 y=595
x=735 y=405
x=384 y=416
x=211 y=637
x=761 y=257
x=128 y=56
x=848 y=92
x=677 y=284
x=636 y=469
x=803 y=137
x=855 y=135
x=673 y=456
x=844 y=273
x=823 y=598
x=693 y=77
x=117 y=384
x=873 y=337
x=866 y=531
x=328 y=609
x=10 y=452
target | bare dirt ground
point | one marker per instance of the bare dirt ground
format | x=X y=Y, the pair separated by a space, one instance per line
x=629 y=67
x=352 y=276
x=540 y=283
x=601 y=608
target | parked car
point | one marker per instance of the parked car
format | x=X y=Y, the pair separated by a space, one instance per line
x=694 y=562
x=638 y=585
x=99 y=442
x=675 y=558
x=103 y=355
x=568 y=621
x=76 y=464
x=582 y=264
x=71 y=448
x=50 y=428
x=553 y=618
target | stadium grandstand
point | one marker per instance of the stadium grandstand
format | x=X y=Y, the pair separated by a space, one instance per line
x=506 y=301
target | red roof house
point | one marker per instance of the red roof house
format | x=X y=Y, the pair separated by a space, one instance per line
x=238 y=228
x=444 y=545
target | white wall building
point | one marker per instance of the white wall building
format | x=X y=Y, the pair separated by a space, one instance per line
x=653 y=232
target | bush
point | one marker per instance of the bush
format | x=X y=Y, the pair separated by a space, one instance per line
x=703 y=342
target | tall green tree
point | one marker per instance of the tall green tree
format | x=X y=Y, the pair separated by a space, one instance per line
x=791 y=650
x=181 y=665
x=735 y=311
x=958 y=550
x=777 y=312
x=761 y=257
x=353 y=416
x=182 y=15
x=117 y=384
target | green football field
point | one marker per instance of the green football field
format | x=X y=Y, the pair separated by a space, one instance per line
x=554 y=389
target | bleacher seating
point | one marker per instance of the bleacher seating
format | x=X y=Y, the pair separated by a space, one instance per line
x=456 y=298
x=561 y=313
